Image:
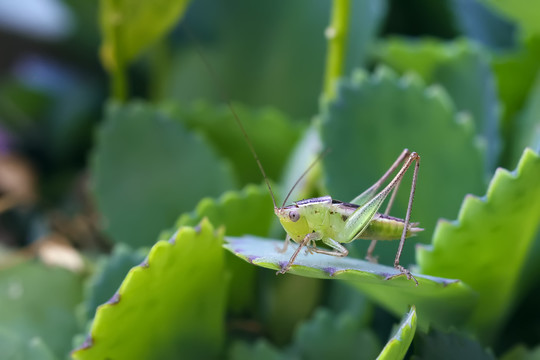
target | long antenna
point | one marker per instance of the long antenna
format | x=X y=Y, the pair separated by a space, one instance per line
x=319 y=157
x=225 y=98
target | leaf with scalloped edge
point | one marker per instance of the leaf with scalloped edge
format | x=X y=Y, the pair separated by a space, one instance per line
x=171 y=306
x=331 y=336
x=272 y=133
x=463 y=69
x=439 y=300
x=372 y=120
x=147 y=168
x=108 y=275
x=488 y=244
x=241 y=212
x=397 y=346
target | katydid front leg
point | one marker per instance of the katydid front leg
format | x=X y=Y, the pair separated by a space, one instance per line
x=309 y=237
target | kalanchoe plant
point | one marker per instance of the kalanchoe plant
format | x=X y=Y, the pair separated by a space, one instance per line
x=175 y=167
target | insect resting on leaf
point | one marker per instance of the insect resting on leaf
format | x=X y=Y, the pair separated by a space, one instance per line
x=334 y=222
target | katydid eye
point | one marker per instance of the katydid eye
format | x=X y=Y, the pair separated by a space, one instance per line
x=294 y=216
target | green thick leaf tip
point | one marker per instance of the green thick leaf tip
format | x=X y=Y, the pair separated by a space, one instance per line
x=151 y=316
x=397 y=346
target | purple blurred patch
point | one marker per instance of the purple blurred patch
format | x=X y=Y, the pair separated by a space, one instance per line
x=6 y=141
x=330 y=270
x=251 y=258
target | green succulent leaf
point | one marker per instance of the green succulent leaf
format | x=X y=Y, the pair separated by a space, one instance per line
x=328 y=336
x=170 y=306
x=271 y=132
x=260 y=350
x=245 y=212
x=373 y=119
x=520 y=352
x=109 y=275
x=397 y=346
x=515 y=75
x=16 y=348
x=131 y=26
x=38 y=302
x=463 y=69
x=527 y=125
x=137 y=140
x=449 y=346
x=439 y=300
x=488 y=244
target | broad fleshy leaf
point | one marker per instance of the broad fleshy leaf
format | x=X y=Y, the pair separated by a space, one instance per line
x=449 y=346
x=170 y=306
x=439 y=300
x=15 y=347
x=109 y=275
x=271 y=132
x=463 y=69
x=487 y=245
x=397 y=346
x=373 y=119
x=328 y=335
x=147 y=169
x=39 y=301
x=246 y=212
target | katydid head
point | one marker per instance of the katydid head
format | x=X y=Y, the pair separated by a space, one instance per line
x=293 y=221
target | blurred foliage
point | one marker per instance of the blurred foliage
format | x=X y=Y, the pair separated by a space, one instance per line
x=91 y=177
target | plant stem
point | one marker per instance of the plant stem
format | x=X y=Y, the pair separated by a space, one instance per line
x=337 y=35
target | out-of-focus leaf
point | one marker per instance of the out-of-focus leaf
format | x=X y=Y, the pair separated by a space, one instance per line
x=437 y=300
x=147 y=169
x=327 y=336
x=463 y=69
x=515 y=74
x=246 y=212
x=16 y=348
x=523 y=12
x=109 y=275
x=481 y=24
x=169 y=307
x=397 y=346
x=272 y=134
x=527 y=125
x=267 y=53
x=261 y=350
x=520 y=352
x=449 y=346
x=487 y=246
x=372 y=120
x=130 y=26
x=39 y=302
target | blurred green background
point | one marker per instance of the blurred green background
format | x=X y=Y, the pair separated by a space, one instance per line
x=113 y=129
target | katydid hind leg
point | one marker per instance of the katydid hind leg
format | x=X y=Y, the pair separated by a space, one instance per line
x=372 y=191
x=404 y=271
x=371 y=248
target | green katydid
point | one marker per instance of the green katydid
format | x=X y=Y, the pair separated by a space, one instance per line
x=334 y=222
